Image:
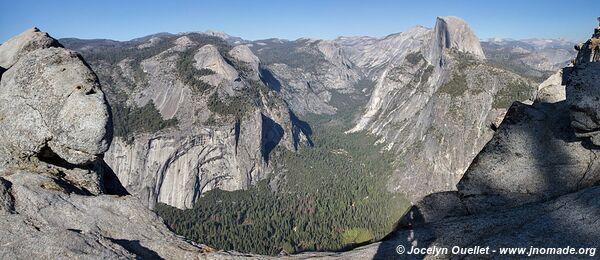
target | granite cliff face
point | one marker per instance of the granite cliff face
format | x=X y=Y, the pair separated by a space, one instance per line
x=452 y=32
x=227 y=120
x=423 y=102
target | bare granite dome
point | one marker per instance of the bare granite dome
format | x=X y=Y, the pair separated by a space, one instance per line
x=452 y=32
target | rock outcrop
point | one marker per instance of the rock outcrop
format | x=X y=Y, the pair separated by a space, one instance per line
x=18 y=46
x=208 y=57
x=552 y=89
x=40 y=97
x=55 y=190
x=244 y=54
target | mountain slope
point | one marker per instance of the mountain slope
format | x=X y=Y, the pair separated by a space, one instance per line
x=534 y=185
x=191 y=115
x=423 y=103
x=309 y=74
x=535 y=58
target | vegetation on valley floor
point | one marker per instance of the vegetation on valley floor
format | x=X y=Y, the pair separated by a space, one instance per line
x=332 y=196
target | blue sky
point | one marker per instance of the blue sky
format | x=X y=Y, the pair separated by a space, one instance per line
x=127 y=19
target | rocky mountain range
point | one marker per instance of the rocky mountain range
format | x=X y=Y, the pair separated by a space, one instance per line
x=536 y=58
x=169 y=117
x=212 y=130
x=402 y=88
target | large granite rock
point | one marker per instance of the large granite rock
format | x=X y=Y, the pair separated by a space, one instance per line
x=16 y=47
x=41 y=97
x=54 y=186
x=552 y=90
x=50 y=212
x=583 y=89
x=533 y=156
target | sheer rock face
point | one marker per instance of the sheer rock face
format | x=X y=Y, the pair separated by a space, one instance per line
x=176 y=170
x=451 y=32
